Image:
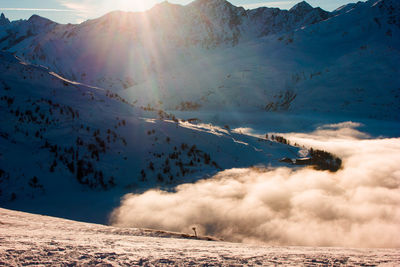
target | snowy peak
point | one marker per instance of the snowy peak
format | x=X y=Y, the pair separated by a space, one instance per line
x=216 y=8
x=304 y=11
x=39 y=21
x=23 y=30
x=3 y=20
x=302 y=7
x=211 y=3
x=165 y=6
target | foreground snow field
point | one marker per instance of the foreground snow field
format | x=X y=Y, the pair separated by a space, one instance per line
x=27 y=239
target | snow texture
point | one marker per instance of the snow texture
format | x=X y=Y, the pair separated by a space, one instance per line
x=28 y=239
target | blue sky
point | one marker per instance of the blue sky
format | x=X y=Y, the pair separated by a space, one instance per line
x=74 y=11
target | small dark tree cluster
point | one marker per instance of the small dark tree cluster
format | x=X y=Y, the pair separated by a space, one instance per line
x=281 y=101
x=80 y=158
x=87 y=175
x=188 y=106
x=323 y=160
x=9 y=100
x=160 y=113
x=279 y=139
x=185 y=158
x=117 y=97
x=193 y=120
x=150 y=132
x=41 y=113
x=6 y=87
x=4 y=176
x=143 y=175
x=34 y=183
x=119 y=123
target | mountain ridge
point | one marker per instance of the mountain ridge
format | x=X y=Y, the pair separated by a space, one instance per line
x=197 y=25
x=128 y=52
x=3 y=20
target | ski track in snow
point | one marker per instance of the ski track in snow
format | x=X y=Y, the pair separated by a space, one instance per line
x=27 y=239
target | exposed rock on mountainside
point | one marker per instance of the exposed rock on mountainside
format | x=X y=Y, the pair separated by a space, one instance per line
x=3 y=20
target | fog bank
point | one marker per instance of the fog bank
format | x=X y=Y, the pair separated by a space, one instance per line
x=358 y=206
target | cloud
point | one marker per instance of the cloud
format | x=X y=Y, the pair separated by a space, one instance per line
x=85 y=9
x=36 y=9
x=358 y=206
x=81 y=7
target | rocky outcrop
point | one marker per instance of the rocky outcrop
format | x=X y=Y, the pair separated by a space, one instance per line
x=3 y=20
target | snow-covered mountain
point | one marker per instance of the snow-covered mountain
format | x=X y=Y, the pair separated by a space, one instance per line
x=207 y=23
x=213 y=55
x=118 y=48
x=127 y=102
x=65 y=144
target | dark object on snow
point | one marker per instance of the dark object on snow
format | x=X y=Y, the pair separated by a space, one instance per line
x=194 y=230
x=286 y=160
x=319 y=159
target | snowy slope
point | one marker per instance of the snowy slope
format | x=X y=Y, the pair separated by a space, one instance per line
x=122 y=49
x=29 y=239
x=213 y=55
x=64 y=144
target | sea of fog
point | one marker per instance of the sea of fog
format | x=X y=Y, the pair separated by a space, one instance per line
x=358 y=206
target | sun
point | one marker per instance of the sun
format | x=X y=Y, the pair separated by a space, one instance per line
x=134 y=5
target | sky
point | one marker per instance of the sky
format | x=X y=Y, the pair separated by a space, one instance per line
x=76 y=11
